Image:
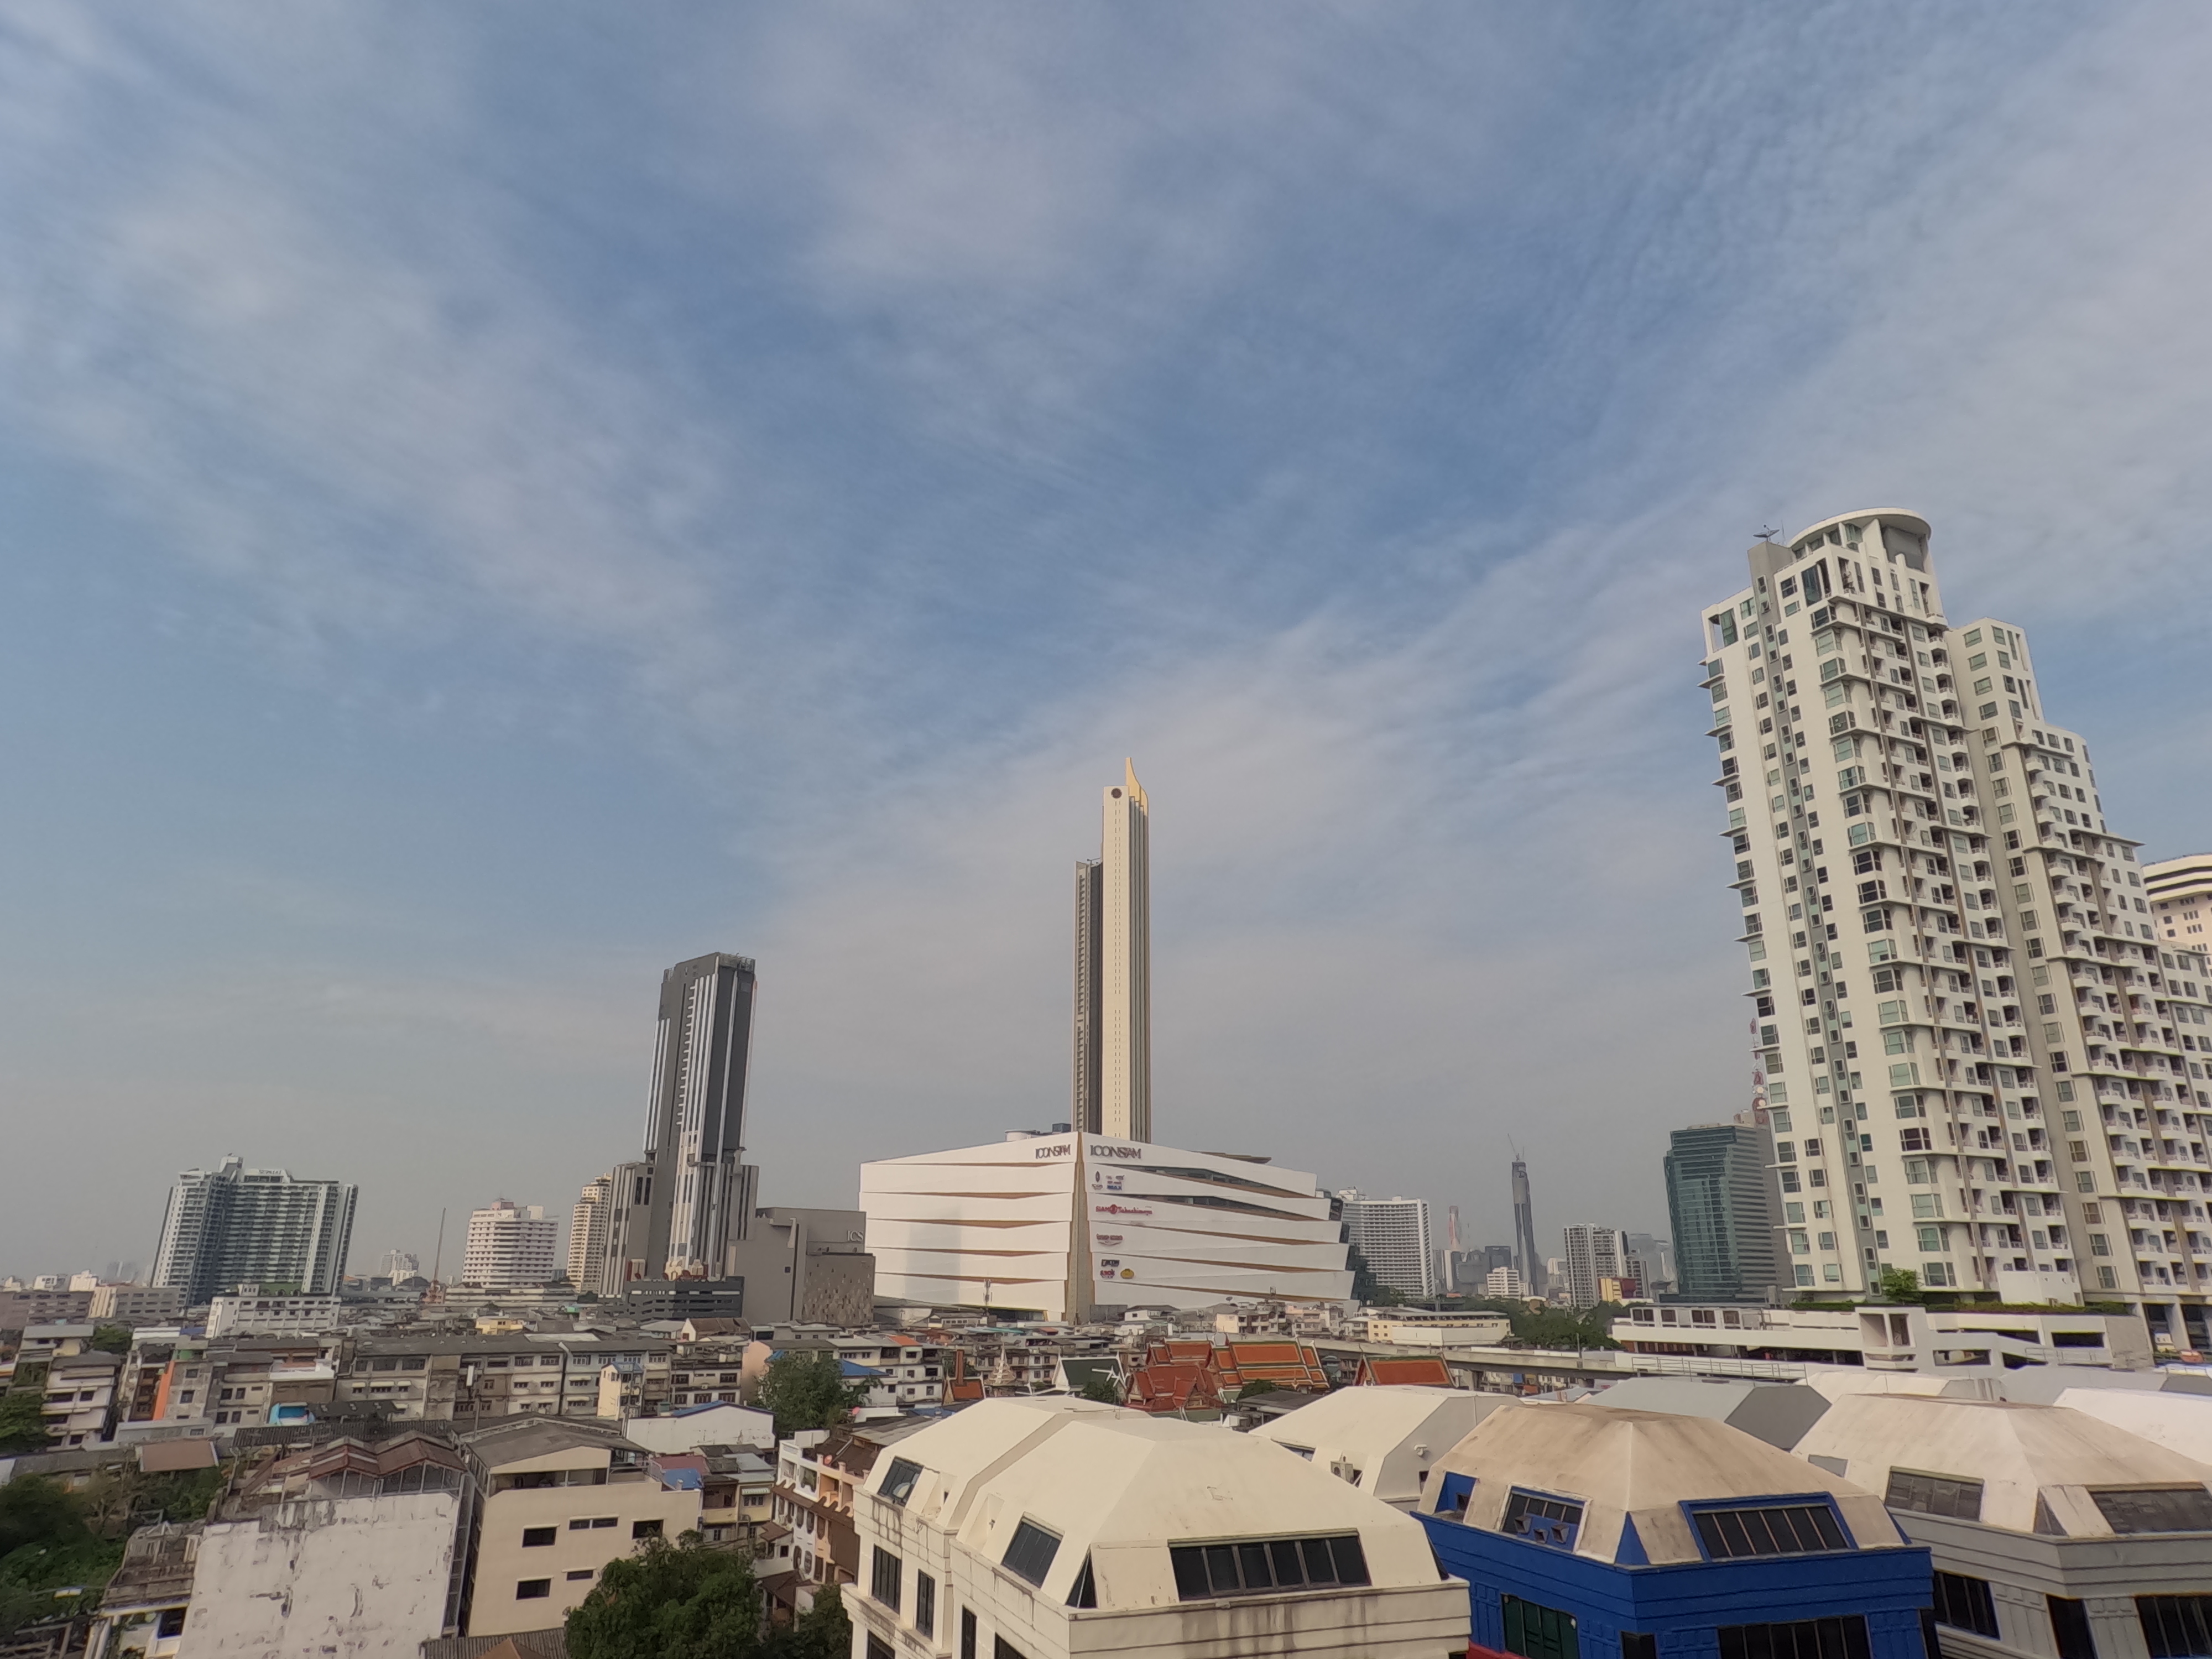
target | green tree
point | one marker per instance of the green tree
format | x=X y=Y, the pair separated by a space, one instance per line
x=1254 y=1390
x=681 y=1600
x=22 y=1422
x=824 y=1631
x=1102 y=1388
x=45 y=1546
x=806 y=1391
x=112 y=1338
x=1899 y=1284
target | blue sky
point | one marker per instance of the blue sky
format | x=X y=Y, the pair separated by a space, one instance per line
x=499 y=500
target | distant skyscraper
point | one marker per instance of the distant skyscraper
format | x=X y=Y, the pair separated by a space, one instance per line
x=1592 y=1253
x=401 y=1264
x=1719 y=1203
x=232 y=1225
x=510 y=1246
x=1530 y=1264
x=681 y=1211
x=587 y=1232
x=1392 y=1234
x=1503 y=1282
x=1113 y=1092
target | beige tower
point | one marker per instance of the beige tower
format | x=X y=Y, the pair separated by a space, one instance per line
x=1124 y=958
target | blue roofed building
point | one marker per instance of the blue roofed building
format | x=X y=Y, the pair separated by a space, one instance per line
x=1590 y=1532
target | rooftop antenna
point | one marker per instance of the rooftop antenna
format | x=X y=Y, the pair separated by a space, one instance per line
x=438 y=1258
x=1768 y=533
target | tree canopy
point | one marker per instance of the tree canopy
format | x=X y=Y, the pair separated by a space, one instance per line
x=111 y=1338
x=689 y=1601
x=22 y=1422
x=807 y=1391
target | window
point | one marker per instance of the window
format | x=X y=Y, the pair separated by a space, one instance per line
x=2069 y=1626
x=170 y=1623
x=898 y=1482
x=1965 y=1603
x=2175 y=1626
x=1635 y=1644
x=1029 y=1555
x=1539 y=1632
x=1002 y=1649
x=581 y=1573
x=1935 y=1494
x=2156 y=1508
x=644 y=1528
x=967 y=1633
x=1083 y=1593
x=533 y=1590
x=878 y=1648
x=1260 y=1566
x=539 y=1537
x=884 y=1576
x=1811 y=1639
x=1779 y=1530
x=584 y=1522
x=1540 y=1519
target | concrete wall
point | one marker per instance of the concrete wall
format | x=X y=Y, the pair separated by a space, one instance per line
x=504 y=1562
x=340 y=1576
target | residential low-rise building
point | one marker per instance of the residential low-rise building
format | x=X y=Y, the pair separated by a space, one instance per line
x=1419 y=1328
x=79 y=1397
x=1901 y=1338
x=818 y=1472
x=2052 y=1530
x=250 y=1311
x=1049 y=1527
x=135 y=1304
x=142 y=1610
x=562 y=1500
x=1583 y=1529
x=687 y=1428
x=351 y=1548
x=434 y=1377
x=244 y=1381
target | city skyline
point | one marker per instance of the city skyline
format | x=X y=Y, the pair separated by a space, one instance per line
x=459 y=577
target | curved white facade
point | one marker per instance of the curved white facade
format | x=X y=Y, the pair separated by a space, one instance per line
x=1064 y=1224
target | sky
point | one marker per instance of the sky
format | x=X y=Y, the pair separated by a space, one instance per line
x=495 y=500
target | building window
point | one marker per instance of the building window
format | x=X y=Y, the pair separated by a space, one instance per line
x=898 y=1481
x=1261 y=1566
x=2175 y=1626
x=1002 y=1649
x=1083 y=1593
x=1811 y=1639
x=1541 y=1520
x=1779 y=1529
x=1638 y=1645
x=645 y=1528
x=925 y=1604
x=886 y=1573
x=1965 y=1603
x=539 y=1537
x=577 y=1573
x=170 y=1623
x=585 y=1523
x=878 y=1648
x=533 y=1590
x=1540 y=1633
x=967 y=1633
x=1030 y=1552
x=2156 y=1508
x=2070 y=1628
x=1935 y=1494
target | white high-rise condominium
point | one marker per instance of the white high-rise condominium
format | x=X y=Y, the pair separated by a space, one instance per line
x=1113 y=1089
x=1392 y=1235
x=511 y=1246
x=2180 y=891
x=1502 y=1281
x=587 y=1232
x=1592 y=1253
x=1983 y=1061
x=232 y=1225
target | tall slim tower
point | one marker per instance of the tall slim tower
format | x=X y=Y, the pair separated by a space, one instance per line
x=1978 y=1054
x=1526 y=1256
x=699 y=1198
x=1113 y=1092
x=1089 y=993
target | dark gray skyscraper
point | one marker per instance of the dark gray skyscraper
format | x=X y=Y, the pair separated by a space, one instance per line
x=1719 y=1200
x=1085 y=1108
x=680 y=1212
x=232 y=1225
x=1528 y=1259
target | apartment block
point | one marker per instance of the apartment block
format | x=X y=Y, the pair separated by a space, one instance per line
x=1980 y=1060
x=1392 y=1234
x=511 y=1245
x=232 y=1225
x=2180 y=893
x=1595 y=1255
